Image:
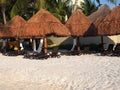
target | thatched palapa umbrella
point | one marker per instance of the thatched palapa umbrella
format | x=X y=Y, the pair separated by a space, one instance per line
x=3 y=35
x=93 y=30
x=13 y=27
x=97 y=17
x=78 y=24
x=111 y=24
x=103 y=11
x=44 y=23
x=1 y=24
x=1 y=28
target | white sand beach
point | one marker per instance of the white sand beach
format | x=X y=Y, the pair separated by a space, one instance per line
x=85 y=72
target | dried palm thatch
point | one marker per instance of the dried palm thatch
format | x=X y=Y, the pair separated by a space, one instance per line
x=44 y=23
x=59 y=29
x=1 y=29
x=103 y=11
x=13 y=27
x=111 y=24
x=93 y=30
x=78 y=23
x=33 y=30
x=1 y=24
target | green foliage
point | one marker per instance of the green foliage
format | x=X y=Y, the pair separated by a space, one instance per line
x=98 y=1
x=88 y=7
x=39 y=4
x=19 y=7
x=59 y=8
x=5 y=7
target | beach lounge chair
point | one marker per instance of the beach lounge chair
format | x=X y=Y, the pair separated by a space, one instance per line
x=109 y=51
x=86 y=50
x=55 y=53
x=36 y=55
x=116 y=51
x=75 y=52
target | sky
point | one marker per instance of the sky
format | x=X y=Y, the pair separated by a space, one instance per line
x=104 y=2
x=111 y=5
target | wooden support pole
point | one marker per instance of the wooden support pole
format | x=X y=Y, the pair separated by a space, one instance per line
x=45 y=44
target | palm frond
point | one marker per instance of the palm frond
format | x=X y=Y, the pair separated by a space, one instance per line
x=18 y=7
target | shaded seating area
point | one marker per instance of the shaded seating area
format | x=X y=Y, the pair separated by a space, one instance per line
x=109 y=51
x=75 y=52
x=84 y=50
x=10 y=49
x=55 y=53
x=36 y=55
x=76 y=29
x=116 y=51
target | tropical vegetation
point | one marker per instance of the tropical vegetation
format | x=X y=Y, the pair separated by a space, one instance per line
x=88 y=7
x=59 y=8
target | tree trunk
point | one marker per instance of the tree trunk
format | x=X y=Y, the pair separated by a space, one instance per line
x=4 y=16
x=75 y=5
x=41 y=4
x=4 y=19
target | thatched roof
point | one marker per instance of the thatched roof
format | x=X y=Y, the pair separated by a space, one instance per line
x=44 y=22
x=93 y=30
x=14 y=26
x=1 y=24
x=3 y=31
x=78 y=23
x=111 y=24
x=103 y=11
x=1 y=28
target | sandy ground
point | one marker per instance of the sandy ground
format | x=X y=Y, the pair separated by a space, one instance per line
x=85 y=72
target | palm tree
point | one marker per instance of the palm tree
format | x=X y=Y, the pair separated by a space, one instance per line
x=75 y=5
x=26 y=8
x=19 y=8
x=3 y=4
x=5 y=7
x=88 y=7
x=59 y=8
